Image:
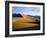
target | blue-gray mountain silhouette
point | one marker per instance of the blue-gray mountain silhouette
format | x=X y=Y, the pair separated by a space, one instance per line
x=17 y=15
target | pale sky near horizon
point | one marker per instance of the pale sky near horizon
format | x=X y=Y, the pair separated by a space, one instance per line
x=29 y=10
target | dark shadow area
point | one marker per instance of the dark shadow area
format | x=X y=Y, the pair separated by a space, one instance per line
x=17 y=15
x=36 y=22
x=29 y=28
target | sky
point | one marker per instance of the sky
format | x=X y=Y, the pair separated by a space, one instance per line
x=27 y=10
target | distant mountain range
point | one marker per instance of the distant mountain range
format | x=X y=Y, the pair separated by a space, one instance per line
x=34 y=16
x=19 y=15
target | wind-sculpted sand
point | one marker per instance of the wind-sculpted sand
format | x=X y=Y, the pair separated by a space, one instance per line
x=24 y=22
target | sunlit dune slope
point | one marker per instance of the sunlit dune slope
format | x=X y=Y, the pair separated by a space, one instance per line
x=22 y=22
x=24 y=19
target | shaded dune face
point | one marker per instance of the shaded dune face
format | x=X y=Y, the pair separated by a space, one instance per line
x=22 y=22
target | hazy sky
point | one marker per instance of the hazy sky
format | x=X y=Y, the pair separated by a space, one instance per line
x=29 y=10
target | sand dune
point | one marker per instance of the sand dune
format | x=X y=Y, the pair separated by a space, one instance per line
x=22 y=22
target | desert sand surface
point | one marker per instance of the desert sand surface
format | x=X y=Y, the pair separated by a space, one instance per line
x=24 y=22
